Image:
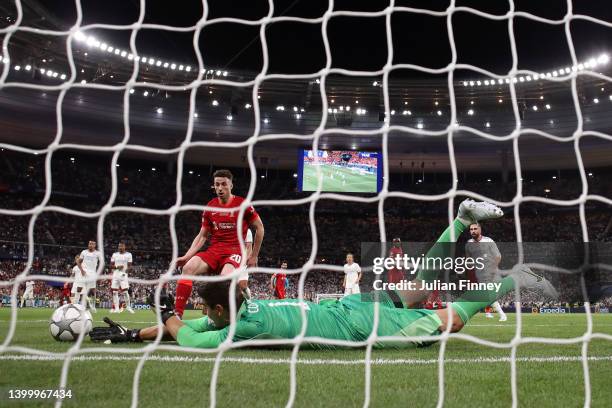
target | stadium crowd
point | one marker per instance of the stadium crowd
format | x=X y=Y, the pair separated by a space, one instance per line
x=78 y=185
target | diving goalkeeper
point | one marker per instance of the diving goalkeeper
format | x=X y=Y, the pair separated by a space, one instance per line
x=350 y=318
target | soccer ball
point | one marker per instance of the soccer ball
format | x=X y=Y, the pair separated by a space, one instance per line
x=68 y=321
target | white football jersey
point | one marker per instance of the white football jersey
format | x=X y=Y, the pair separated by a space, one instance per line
x=352 y=274
x=121 y=259
x=29 y=285
x=90 y=260
x=485 y=249
x=77 y=272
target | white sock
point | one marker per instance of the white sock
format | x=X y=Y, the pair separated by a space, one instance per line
x=246 y=293
x=128 y=304
x=22 y=302
x=498 y=308
x=92 y=303
x=115 y=300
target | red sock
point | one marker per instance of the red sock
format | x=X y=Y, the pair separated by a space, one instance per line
x=183 y=291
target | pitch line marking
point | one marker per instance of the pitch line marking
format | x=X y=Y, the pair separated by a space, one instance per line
x=272 y=361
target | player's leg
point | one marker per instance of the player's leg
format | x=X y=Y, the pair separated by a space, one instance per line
x=125 y=286
x=22 y=299
x=472 y=302
x=94 y=294
x=497 y=307
x=243 y=284
x=200 y=264
x=74 y=297
x=90 y=297
x=115 y=291
x=81 y=295
x=115 y=308
x=469 y=212
x=243 y=280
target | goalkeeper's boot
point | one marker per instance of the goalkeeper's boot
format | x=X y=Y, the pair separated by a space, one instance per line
x=474 y=211
x=527 y=279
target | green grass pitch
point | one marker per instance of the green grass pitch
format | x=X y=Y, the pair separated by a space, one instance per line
x=338 y=179
x=548 y=375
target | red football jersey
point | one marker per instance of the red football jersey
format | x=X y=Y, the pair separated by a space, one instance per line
x=221 y=223
x=396 y=251
x=395 y=275
x=280 y=280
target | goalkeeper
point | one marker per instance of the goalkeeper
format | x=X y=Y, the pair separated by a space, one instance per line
x=350 y=318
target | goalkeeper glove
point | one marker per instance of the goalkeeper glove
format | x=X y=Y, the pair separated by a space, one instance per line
x=166 y=304
x=115 y=333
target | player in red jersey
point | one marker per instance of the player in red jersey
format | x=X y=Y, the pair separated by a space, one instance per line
x=395 y=275
x=223 y=254
x=279 y=283
x=66 y=291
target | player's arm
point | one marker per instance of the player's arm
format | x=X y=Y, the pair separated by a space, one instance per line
x=80 y=264
x=259 y=236
x=272 y=282
x=112 y=265
x=497 y=254
x=129 y=264
x=468 y=254
x=200 y=334
x=198 y=242
x=249 y=249
x=248 y=243
x=344 y=282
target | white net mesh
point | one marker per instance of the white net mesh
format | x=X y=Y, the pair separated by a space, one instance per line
x=75 y=34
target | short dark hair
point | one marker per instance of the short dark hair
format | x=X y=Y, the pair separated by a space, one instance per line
x=223 y=173
x=475 y=223
x=218 y=293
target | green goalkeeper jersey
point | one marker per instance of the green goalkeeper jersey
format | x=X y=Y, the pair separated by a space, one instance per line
x=350 y=318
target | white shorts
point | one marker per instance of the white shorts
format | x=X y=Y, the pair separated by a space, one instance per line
x=120 y=283
x=82 y=286
x=488 y=275
x=28 y=294
x=352 y=290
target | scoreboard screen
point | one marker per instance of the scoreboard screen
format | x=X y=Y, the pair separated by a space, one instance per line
x=346 y=171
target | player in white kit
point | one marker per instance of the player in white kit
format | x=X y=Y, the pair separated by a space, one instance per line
x=77 y=284
x=88 y=267
x=485 y=248
x=120 y=265
x=28 y=293
x=352 y=276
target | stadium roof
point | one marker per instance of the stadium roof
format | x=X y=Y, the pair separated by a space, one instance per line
x=418 y=112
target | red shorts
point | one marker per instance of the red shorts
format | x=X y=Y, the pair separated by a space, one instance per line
x=216 y=257
x=395 y=276
x=279 y=292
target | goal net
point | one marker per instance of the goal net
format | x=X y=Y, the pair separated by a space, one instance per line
x=63 y=76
